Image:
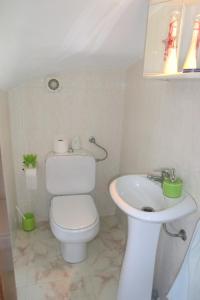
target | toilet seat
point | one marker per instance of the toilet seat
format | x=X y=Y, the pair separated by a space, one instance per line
x=74 y=212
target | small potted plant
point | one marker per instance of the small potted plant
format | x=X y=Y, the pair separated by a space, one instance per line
x=30 y=163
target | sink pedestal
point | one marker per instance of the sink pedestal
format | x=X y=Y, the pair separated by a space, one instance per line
x=136 y=280
x=147 y=208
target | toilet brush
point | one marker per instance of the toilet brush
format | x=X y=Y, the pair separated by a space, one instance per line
x=20 y=212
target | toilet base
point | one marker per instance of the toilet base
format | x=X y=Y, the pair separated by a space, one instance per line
x=74 y=252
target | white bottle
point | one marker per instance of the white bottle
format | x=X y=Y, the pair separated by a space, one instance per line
x=191 y=58
x=170 y=56
x=76 y=143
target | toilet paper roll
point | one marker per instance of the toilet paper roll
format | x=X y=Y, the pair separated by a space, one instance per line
x=31 y=179
x=60 y=146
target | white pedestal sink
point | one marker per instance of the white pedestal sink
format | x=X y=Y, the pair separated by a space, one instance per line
x=134 y=194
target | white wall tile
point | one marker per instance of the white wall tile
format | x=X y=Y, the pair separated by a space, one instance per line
x=89 y=103
x=7 y=160
x=162 y=129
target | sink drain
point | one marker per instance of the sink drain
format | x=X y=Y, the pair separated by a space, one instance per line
x=148 y=209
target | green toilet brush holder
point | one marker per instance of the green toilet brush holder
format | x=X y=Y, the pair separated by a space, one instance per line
x=28 y=221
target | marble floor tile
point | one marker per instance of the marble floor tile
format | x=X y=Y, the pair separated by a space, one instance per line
x=21 y=252
x=43 y=249
x=42 y=273
x=64 y=289
x=105 y=284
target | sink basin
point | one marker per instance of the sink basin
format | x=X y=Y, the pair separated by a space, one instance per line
x=146 y=207
x=134 y=194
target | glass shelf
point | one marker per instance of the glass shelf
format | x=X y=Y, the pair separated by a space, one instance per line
x=179 y=75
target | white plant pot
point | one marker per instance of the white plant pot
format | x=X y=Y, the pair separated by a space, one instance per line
x=31 y=178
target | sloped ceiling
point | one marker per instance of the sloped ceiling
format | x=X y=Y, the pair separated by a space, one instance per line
x=41 y=37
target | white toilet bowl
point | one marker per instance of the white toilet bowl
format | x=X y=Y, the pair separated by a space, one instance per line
x=74 y=221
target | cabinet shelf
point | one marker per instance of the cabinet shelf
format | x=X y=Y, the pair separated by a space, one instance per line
x=161 y=12
x=179 y=75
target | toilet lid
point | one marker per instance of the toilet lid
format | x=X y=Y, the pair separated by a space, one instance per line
x=74 y=212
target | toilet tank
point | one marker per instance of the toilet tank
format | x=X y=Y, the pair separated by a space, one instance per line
x=70 y=174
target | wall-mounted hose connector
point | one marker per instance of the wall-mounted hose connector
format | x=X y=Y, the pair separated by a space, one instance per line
x=93 y=141
x=181 y=234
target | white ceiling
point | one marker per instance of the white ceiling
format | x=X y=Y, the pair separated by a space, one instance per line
x=41 y=37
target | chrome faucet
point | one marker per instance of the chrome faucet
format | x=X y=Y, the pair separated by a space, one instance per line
x=165 y=173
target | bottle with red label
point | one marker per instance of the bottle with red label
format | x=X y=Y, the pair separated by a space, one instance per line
x=170 y=54
x=190 y=64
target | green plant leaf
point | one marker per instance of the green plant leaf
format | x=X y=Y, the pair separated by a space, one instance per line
x=30 y=160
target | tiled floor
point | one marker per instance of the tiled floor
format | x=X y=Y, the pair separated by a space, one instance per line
x=42 y=274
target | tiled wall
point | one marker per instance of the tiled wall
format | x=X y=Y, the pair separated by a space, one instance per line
x=7 y=281
x=7 y=160
x=7 y=203
x=89 y=103
x=162 y=129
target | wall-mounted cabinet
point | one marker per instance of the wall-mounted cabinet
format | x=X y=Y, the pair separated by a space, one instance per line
x=173 y=39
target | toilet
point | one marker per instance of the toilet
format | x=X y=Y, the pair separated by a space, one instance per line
x=74 y=219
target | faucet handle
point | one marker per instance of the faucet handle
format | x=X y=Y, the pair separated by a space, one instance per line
x=163 y=170
x=167 y=172
x=173 y=174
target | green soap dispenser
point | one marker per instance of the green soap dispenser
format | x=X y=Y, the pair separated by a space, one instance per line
x=172 y=186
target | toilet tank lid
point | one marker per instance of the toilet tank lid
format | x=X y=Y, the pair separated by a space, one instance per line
x=81 y=152
x=74 y=211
